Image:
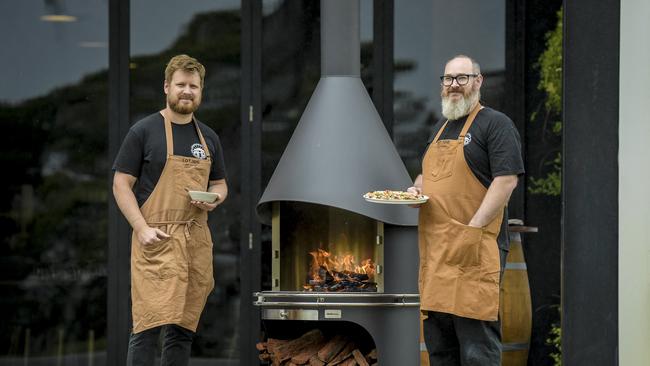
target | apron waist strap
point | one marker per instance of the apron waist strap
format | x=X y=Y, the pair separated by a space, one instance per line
x=187 y=224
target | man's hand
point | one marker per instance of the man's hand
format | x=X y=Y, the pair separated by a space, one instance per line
x=149 y=236
x=207 y=206
x=415 y=190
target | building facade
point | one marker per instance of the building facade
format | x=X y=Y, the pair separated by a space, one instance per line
x=78 y=74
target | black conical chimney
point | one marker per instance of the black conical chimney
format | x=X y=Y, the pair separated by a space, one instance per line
x=340 y=148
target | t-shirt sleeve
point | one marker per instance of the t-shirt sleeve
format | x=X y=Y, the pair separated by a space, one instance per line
x=218 y=170
x=504 y=148
x=130 y=157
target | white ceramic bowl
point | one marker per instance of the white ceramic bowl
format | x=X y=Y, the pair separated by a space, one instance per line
x=209 y=197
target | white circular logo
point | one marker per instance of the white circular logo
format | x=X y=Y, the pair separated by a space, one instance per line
x=198 y=152
x=468 y=138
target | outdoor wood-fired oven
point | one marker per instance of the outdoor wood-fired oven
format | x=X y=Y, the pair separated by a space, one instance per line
x=341 y=267
x=321 y=282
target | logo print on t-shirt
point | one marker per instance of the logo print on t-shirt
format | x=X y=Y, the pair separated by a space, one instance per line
x=468 y=138
x=197 y=151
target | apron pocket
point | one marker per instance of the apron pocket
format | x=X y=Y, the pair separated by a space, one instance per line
x=158 y=261
x=190 y=177
x=463 y=245
x=443 y=163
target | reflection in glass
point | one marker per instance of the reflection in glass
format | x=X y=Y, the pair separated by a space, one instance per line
x=209 y=31
x=53 y=210
x=427 y=34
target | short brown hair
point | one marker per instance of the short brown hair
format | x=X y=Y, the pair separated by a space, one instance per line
x=185 y=63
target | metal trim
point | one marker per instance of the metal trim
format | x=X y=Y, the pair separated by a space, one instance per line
x=338 y=304
x=334 y=294
x=320 y=299
x=289 y=314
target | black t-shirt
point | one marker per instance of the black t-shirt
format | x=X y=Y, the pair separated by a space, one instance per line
x=492 y=148
x=144 y=151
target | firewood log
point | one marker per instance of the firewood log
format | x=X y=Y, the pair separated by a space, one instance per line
x=261 y=346
x=315 y=361
x=349 y=362
x=372 y=355
x=332 y=348
x=358 y=357
x=272 y=344
x=343 y=355
x=287 y=350
x=306 y=354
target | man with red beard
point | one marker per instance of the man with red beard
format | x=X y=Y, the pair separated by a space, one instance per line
x=470 y=168
x=168 y=154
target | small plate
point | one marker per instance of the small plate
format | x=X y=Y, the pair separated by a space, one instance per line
x=209 y=197
x=398 y=202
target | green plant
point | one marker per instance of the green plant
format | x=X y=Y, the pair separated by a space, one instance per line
x=555 y=340
x=550 y=68
x=550 y=185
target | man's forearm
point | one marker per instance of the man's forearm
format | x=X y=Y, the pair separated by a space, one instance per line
x=128 y=204
x=220 y=187
x=495 y=199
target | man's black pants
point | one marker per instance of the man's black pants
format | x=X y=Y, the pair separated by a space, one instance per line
x=176 y=346
x=453 y=340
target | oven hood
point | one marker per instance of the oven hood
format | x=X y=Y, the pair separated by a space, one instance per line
x=340 y=148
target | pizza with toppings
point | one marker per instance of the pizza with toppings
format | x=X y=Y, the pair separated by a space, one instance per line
x=387 y=196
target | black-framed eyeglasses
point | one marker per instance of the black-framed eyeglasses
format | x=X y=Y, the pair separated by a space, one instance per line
x=461 y=79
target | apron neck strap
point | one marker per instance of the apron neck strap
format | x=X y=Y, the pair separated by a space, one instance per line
x=466 y=126
x=205 y=145
x=470 y=120
x=170 y=138
x=168 y=133
x=435 y=139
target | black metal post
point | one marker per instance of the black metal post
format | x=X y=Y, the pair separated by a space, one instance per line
x=118 y=309
x=590 y=183
x=383 y=53
x=515 y=90
x=251 y=120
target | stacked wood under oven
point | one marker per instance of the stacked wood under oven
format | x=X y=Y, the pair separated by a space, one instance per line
x=315 y=349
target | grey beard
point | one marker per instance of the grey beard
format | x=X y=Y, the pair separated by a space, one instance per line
x=455 y=110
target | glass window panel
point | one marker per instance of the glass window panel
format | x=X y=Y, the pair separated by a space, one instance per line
x=427 y=34
x=209 y=31
x=53 y=210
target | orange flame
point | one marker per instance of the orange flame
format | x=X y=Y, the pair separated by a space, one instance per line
x=325 y=264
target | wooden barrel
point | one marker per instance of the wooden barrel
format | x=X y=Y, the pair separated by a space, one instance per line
x=424 y=355
x=515 y=307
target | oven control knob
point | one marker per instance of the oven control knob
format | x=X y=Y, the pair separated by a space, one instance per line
x=284 y=314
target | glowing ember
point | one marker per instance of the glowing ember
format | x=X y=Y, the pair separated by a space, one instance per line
x=340 y=274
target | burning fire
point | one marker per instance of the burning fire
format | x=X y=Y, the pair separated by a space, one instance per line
x=333 y=273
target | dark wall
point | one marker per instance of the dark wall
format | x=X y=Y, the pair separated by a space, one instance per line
x=590 y=183
x=542 y=249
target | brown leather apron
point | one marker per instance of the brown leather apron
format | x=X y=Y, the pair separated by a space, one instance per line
x=171 y=280
x=459 y=264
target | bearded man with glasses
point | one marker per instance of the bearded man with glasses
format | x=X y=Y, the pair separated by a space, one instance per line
x=470 y=167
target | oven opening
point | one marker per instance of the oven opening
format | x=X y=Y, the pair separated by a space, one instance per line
x=321 y=248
